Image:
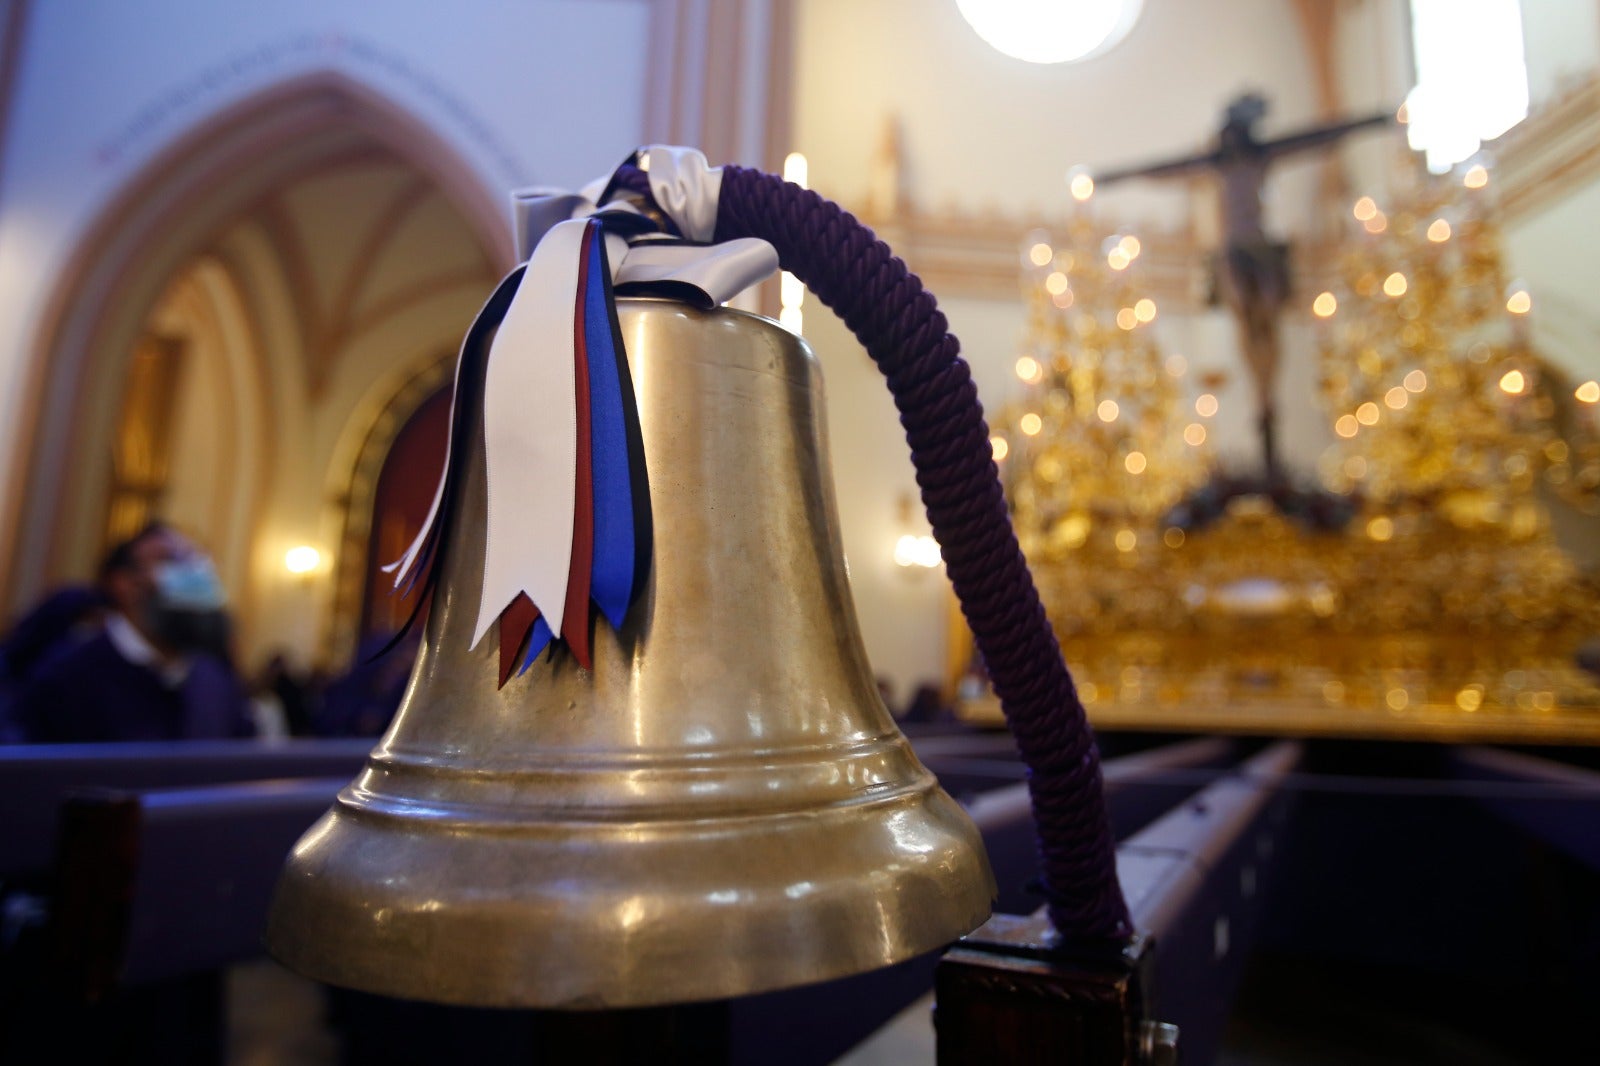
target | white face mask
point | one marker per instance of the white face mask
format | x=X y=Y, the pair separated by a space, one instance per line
x=188 y=609
x=189 y=584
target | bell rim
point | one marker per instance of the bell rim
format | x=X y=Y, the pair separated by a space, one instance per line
x=714 y=950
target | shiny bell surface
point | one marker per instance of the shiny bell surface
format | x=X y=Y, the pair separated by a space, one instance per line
x=721 y=807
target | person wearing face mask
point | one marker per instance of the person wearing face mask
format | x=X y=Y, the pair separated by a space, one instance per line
x=159 y=669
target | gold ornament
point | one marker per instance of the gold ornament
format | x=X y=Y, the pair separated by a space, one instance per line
x=1421 y=594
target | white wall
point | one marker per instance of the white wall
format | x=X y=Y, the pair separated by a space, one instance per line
x=1556 y=253
x=1561 y=40
x=983 y=129
x=1556 y=249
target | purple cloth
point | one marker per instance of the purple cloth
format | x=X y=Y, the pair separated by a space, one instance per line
x=91 y=693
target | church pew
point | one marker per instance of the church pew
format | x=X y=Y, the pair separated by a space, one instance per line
x=157 y=853
x=155 y=892
x=970 y=745
x=156 y=884
x=1142 y=786
x=1203 y=909
x=966 y=772
x=153 y=885
x=1194 y=879
x=1138 y=788
x=34 y=779
x=1553 y=801
x=944 y=727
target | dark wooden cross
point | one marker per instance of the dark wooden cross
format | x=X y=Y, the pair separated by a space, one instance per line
x=1252 y=269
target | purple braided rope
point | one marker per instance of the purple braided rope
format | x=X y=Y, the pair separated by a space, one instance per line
x=896 y=320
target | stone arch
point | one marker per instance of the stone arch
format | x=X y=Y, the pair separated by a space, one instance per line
x=161 y=219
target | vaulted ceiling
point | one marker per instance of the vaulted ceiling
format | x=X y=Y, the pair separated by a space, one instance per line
x=361 y=237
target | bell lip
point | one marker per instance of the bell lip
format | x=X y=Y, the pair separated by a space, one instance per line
x=348 y=934
x=419 y=992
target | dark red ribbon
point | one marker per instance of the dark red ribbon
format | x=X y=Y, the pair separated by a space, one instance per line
x=575 y=620
x=516 y=622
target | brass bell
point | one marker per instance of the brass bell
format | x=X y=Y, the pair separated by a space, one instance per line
x=722 y=806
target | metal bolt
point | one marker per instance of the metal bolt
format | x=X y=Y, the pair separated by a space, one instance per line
x=1158 y=1043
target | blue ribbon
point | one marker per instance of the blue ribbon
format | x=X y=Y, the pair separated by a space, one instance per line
x=612 y=577
x=538 y=639
x=614 y=452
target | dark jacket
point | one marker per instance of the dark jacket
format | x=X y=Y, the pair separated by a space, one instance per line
x=91 y=693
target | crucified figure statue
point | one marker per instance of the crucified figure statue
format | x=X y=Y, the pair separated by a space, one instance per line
x=1252 y=270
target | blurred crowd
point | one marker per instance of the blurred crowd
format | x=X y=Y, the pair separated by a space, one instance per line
x=145 y=653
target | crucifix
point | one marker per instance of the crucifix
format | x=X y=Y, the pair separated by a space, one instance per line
x=1252 y=270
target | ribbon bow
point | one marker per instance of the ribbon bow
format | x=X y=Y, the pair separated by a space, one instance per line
x=568 y=523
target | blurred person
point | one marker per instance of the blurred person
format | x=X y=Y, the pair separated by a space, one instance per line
x=266 y=715
x=293 y=695
x=159 y=669
x=926 y=705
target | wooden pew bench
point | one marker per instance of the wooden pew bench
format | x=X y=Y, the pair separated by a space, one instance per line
x=34 y=779
x=1138 y=788
x=155 y=893
x=156 y=884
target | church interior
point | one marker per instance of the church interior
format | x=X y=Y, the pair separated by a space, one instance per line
x=1283 y=746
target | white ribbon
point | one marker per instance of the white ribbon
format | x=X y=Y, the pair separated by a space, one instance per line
x=687 y=190
x=530 y=438
x=529 y=421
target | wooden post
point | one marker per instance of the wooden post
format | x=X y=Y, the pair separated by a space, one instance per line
x=1011 y=993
